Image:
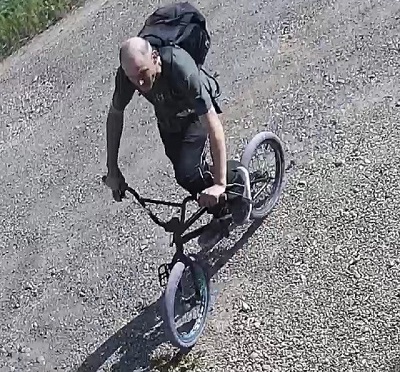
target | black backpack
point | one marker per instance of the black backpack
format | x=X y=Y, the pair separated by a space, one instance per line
x=178 y=24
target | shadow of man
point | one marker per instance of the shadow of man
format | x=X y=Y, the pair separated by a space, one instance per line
x=136 y=340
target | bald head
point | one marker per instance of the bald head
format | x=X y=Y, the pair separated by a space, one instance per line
x=136 y=51
x=140 y=63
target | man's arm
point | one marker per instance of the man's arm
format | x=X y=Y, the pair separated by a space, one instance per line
x=217 y=145
x=123 y=93
x=114 y=127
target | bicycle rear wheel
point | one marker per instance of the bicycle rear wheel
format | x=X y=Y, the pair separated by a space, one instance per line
x=188 y=336
x=255 y=148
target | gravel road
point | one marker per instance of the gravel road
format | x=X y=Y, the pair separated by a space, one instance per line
x=316 y=287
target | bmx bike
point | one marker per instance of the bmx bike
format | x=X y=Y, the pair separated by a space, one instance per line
x=170 y=274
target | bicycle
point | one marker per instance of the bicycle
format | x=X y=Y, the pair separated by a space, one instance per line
x=170 y=274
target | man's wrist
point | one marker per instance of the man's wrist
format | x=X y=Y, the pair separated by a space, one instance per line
x=220 y=183
x=112 y=168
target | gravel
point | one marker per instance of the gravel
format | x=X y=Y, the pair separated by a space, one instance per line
x=315 y=287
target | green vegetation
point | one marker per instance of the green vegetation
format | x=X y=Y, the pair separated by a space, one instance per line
x=20 y=20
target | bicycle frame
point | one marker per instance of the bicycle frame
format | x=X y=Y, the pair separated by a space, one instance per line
x=178 y=225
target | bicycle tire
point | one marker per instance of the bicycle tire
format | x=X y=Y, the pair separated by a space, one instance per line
x=248 y=153
x=168 y=312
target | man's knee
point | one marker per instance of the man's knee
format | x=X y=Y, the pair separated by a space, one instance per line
x=193 y=179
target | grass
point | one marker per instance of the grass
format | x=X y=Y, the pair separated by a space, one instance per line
x=20 y=20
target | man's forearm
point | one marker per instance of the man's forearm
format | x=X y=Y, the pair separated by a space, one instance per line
x=114 y=128
x=217 y=145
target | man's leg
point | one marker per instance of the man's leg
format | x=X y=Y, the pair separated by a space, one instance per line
x=172 y=142
x=186 y=151
x=192 y=173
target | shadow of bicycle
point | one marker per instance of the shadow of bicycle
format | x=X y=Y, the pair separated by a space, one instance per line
x=129 y=349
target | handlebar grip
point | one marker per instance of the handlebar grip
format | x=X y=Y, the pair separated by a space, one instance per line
x=117 y=195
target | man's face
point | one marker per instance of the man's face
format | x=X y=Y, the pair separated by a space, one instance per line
x=142 y=72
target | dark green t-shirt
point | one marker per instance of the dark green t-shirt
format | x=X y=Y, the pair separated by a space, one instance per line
x=181 y=88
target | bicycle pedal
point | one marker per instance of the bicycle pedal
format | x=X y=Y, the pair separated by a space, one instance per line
x=163 y=274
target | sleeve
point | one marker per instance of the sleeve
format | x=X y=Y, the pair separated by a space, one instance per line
x=123 y=91
x=189 y=80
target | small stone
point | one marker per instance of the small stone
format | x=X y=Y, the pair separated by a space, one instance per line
x=397 y=104
x=354 y=260
x=311 y=162
x=357 y=275
x=254 y=355
x=367 y=161
x=391 y=264
x=245 y=306
x=40 y=359
x=339 y=162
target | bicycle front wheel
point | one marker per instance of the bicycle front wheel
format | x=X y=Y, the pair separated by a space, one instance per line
x=180 y=302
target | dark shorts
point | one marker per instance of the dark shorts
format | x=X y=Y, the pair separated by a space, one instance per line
x=186 y=151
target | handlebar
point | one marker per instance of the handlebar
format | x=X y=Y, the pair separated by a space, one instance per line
x=171 y=225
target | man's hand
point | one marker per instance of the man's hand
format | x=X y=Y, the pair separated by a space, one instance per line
x=116 y=182
x=210 y=197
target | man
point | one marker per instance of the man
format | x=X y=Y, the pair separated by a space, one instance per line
x=187 y=115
